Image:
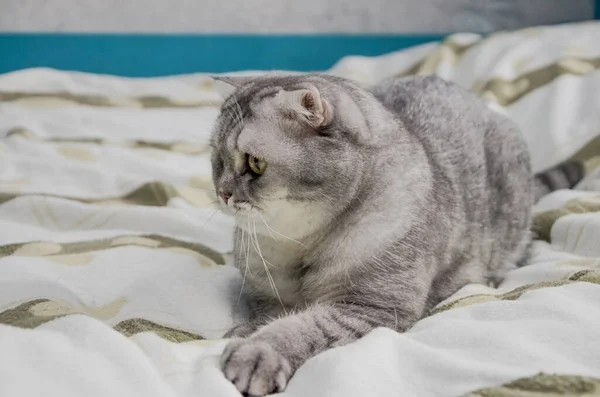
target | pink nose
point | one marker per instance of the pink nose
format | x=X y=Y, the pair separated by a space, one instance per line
x=225 y=195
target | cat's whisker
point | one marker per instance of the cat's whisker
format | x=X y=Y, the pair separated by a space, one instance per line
x=255 y=242
x=241 y=114
x=233 y=110
x=245 y=270
x=204 y=189
x=237 y=118
x=233 y=113
x=232 y=116
x=271 y=281
x=248 y=249
x=209 y=218
x=263 y=219
x=271 y=231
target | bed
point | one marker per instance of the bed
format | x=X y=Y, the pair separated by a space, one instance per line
x=115 y=274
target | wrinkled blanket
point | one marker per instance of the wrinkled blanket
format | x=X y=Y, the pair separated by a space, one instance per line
x=114 y=261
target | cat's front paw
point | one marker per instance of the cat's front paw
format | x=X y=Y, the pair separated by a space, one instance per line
x=241 y=331
x=255 y=368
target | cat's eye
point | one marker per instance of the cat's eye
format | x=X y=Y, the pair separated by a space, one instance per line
x=258 y=166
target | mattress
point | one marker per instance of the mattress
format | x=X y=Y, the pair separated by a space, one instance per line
x=115 y=276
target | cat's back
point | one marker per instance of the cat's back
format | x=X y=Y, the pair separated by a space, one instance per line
x=480 y=160
x=441 y=112
x=455 y=127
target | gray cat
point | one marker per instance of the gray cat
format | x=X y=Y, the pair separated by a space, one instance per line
x=356 y=210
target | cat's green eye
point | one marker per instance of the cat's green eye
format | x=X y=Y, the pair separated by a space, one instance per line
x=258 y=166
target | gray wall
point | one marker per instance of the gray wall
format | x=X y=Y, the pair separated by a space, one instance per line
x=286 y=16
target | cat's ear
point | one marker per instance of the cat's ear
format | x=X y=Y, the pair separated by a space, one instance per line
x=307 y=106
x=236 y=81
x=227 y=85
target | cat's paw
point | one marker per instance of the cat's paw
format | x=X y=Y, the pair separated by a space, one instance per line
x=255 y=368
x=241 y=331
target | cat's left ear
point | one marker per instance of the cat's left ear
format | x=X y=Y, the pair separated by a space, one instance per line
x=307 y=106
x=227 y=85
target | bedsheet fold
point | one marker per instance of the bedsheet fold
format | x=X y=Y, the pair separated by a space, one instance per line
x=114 y=261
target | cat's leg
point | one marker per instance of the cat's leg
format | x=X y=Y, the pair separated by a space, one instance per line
x=247 y=328
x=264 y=362
x=262 y=312
x=243 y=330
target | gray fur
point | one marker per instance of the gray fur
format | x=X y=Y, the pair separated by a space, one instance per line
x=392 y=203
x=562 y=176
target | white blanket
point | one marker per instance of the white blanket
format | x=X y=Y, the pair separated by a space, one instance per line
x=113 y=274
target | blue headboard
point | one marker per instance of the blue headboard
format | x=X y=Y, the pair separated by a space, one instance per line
x=145 y=55
x=148 y=55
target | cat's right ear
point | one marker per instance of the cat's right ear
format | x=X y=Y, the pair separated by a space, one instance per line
x=227 y=85
x=306 y=106
x=223 y=87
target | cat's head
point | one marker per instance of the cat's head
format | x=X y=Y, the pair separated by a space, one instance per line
x=289 y=150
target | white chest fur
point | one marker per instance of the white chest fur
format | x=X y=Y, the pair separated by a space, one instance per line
x=272 y=245
x=270 y=262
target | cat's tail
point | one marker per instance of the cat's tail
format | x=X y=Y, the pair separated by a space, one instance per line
x=562 y=176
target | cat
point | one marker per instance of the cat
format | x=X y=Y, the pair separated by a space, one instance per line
x=359 y=209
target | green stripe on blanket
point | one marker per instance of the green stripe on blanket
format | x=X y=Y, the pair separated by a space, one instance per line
x=590 y=276
x=506 y=92
x=180 y=147
x=71 y=253
x=544 y=221
x=544 y=385
x=37 y=312
x=57 y=99
x=448 y=51
x=590 y=153
x=502 y=91
x=138 y=325
x=151 y=194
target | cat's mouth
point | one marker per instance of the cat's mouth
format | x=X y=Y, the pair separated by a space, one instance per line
x=241 y=208
x=246 y=207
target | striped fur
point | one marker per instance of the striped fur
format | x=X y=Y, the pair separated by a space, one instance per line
x=372 y=209
x=565 y=175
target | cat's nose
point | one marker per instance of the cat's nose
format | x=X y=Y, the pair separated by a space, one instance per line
x=225 y=195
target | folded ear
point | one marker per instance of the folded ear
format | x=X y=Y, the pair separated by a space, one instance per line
x=236 y=81
x=307 y=106
x=227 y=85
